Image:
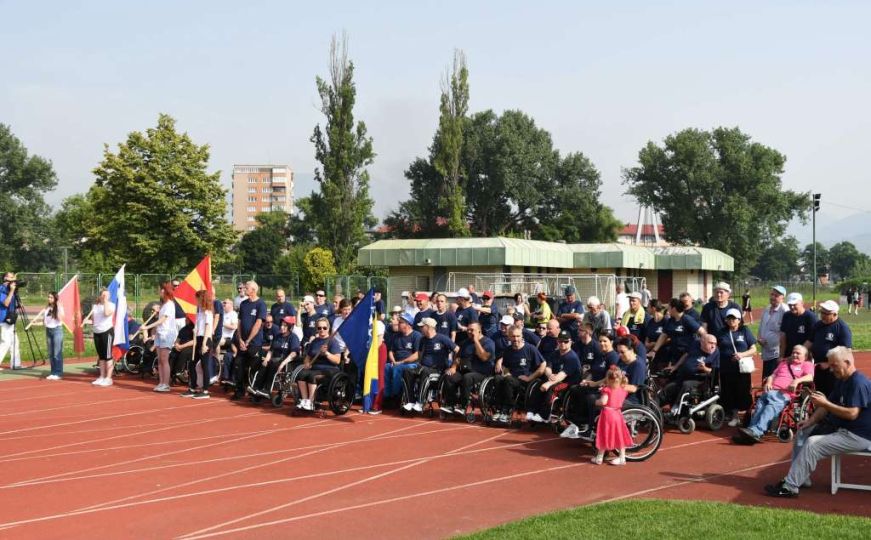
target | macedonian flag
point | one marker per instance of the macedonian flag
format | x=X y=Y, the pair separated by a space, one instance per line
x=199 y=279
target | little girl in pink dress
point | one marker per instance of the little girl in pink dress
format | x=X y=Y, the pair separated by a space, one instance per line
x=611 y=430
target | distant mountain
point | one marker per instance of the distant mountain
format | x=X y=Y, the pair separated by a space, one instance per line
x=832 y=229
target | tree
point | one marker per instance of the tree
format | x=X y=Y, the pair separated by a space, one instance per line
x=778 y=261
x=26 y=235
x=318 y=263
x=823 y=260
x=155 y=207
x=260 y=248
x=342 y=210
x=717 y=189
x=846 y=259
x=299 y=227
x=448 y=144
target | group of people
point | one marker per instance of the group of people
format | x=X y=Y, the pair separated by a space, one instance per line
x=574 y=349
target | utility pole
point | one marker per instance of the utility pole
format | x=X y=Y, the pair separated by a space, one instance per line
x=815 y=206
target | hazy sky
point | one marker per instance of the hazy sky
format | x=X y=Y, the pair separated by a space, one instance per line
x=602 y=77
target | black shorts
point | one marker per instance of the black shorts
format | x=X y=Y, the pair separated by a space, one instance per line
x=103 y=344
x=317 y=374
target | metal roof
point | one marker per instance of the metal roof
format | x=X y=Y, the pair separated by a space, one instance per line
x=500 y=251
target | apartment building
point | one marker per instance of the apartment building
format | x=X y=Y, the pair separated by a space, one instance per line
x=260 y=188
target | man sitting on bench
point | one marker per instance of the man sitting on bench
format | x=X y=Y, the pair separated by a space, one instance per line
x=840 y=424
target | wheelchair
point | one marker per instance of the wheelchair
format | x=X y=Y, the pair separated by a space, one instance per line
x=482 y=396
x=427 y=395
x=284 y=383
x=642 y=420
x=799 y=409
x=334 y=392
x=520 y=404
x=700 y=404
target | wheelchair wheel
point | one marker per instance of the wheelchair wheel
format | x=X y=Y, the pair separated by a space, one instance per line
x=785 y=434
x=132 y=361
x=278 y=399
x=486 y=398
x=646 y=433
x=715 y=416
x=340 y=394
x=404 y=399
x=686 y=424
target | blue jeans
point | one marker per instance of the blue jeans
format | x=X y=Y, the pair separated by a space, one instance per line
x=768 y=406
x=393 y=378
x=55 y=339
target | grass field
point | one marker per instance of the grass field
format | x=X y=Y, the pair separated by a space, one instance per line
x=679 y=519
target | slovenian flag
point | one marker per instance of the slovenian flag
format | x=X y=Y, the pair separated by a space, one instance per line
x=358 y=333
x=118 y=296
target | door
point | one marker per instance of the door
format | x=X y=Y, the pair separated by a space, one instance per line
x=663 y=286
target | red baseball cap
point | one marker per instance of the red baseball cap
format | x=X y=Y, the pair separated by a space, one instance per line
x=487 y=294
x=421 y=296
x=289 y=319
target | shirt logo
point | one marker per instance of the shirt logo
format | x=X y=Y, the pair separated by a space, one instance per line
x=830 y=337
x=522 y=362
x=408 y=345
x=254 y=312
x=678 y=328
x=801 y=329
x=739 y=339
x=437 y=347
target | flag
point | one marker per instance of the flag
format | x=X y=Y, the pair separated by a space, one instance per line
x=357 y=331
x=118 y=296
x=68 y=299
x=199 y=279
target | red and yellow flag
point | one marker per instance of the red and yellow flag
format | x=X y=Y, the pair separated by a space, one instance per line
x=68 y=299
x=199 y=279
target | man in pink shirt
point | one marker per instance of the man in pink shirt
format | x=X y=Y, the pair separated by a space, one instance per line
x=780 y=389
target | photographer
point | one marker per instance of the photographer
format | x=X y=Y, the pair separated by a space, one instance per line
x=8 y=317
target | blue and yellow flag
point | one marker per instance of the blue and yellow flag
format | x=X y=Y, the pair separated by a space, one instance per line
x=357 y=331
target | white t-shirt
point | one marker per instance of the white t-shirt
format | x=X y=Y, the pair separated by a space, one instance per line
x=167 y=328
x=102 y=322
x=51 y=322
x=231 y=319
x=204 y=318
x=622 y=305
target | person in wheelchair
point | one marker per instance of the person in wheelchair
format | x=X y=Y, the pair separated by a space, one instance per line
x=473 y=363
x=561 y=371
x=402 y=355
x=434 y=358
x=520 y=364
x=633 y=364
x=582 y=397
x=283 y=350
x=322 y=360
x=780 y=390
x=690 y=371
x=653 y=329
x=182 y=352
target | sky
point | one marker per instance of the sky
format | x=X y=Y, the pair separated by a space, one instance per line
x=603 y=78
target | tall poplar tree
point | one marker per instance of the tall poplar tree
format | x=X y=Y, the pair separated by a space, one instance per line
x=448 y=143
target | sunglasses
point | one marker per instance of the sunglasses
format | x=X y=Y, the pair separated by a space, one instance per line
x=323 y=327
x=322 y=295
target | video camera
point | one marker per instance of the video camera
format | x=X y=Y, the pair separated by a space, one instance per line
x=19 y=283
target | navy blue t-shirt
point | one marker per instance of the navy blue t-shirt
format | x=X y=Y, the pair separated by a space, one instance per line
x=568 y=363
x=693 y=314
x=599 y=368
x=590 y=353
x=249 y=313
x=570 y=307
x=638 y=330
x=731 y=342
x=280 y=311
x=502 y=343
x=797 y=329
x=690 y=367
x=379 y=307
x=269 y=334
x=653 y=328
x=466 y=316
x=826 y=337
x=489 y=321
x=218 y=309
x=308 y=326
x=419 y=316
x=682 y=332
x=521 y=361
x=284 y=345
x=314 y=351
x=853 y=392
x=325 y=310
x=547 y=345
x=470 y=358
x=715 y=316
x=404 y=345
x=446 y=322
x=434 y=351
x=636 y=372
x=530 y=337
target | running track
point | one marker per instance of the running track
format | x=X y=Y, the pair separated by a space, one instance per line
x=124 y=462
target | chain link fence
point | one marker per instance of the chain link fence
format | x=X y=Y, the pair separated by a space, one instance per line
x=349 y=286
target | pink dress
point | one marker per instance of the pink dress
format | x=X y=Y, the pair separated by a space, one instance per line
x=611 y=430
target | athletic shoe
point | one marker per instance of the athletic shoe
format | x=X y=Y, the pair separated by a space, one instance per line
x=570 y=432
x=750 y=435
x=106 y=382
x=374 y=412
x=596 y=460
x=408 y=406
x=213 y=380
x=162 y=388
x=537 y=418
x=202 y=395
x=418 y=407
x=188 y=393
x=735 y=421
x=52 y=378
x=98 y=382
x=447 y=409
x=617 y=461
x=780 y=490
x=529 y=416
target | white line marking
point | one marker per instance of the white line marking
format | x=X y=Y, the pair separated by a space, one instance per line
x=64 y=407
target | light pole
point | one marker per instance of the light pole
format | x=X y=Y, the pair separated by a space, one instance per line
x=815 y=206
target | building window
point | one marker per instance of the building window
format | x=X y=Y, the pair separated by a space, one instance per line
x=267 y=189
x=250 y=227
x=252 y=190
x=252 y=208
x=252 y=199
x=250 y=218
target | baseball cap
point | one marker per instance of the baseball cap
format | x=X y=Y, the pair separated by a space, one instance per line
x=506 y=320
x=569 y=290
x=593 y=301
x=794 y=298
x=723 y=286
x=428 y=321
x=463 y=293
x=308 y=298
x=396 y=309
x=779 y=289
x=487 y=294
x=421 y=296
x=408 y=319
x=289 y=319
x=636 y=295
x=564 y=336
x=518 y=316
x=733 y=313
x=831 y=306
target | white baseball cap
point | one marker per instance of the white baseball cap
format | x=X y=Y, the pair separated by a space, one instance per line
x=723 y=286
x=733 y=313
x=794 y=298
x=507 y=320
x=831 y=306
x=463 y=293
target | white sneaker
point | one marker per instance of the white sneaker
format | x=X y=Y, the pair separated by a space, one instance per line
x=213 y=380
x=408 y=406
x=98 y=382
x=537 y=418
x=374 y=412
x=570 y=432
x=106 y=382
x=447 y=409
x=418 y=407
x=162 y=388
x=529 y=416
x=52 y=378
x=735 y=422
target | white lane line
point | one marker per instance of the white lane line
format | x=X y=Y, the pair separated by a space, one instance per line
x=72 y=406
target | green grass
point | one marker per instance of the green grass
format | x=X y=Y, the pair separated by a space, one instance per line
x=679 y=519
x=38 y=333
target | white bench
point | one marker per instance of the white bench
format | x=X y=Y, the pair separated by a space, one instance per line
x=836 y=473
